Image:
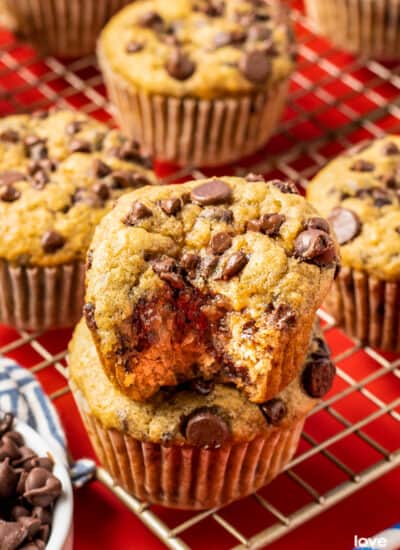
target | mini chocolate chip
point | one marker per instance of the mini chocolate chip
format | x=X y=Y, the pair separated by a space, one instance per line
x=201 y=386
x=234 y=265
x=206 y=428
x=362 y=165
x=102 y=190
x=317 y=223
x=220 y=242
x=254 y=177
x=346 y=224
x=9 y=193
x=318 y=377
x=171 y=206
x=285 y=186
x=189 y=261
x=9 y=136
x=89 y=314
x=255 y=66
x=212 y=192
x=138 y=211
x=52 y=241
x=179 y=65
x=390 y=148
x=80 y=146
x=274 y=411
x=11 y=176
x=100 y=169
x=73 y=127
x=315 y=246
x=133 y=46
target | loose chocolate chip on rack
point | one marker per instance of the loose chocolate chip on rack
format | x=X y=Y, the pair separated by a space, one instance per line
x=89 y=314
x=201 y=386
x=100 y=169
x=9 y=136
x=255 y=66
x=315 y=246
x=180 y=66
x=8 y=193
x=390 y=148
x=133 y=46
x=254 y=177
x=213 y=192
x=138 y=211
x=318 y=377
x=206 y=428
x=52 y=241
x=274 y=411
x=282 y=316
x=234 y=265
x=286 y=186
x=346 y=224
x=80 y=146
x=171 y=206
x=73 y=127
x=220 y=242
x=362 y=165
x=317 y=223
x=102 y=190
x=168 y=271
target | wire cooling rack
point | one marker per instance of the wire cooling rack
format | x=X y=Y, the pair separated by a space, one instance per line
x=353 y=437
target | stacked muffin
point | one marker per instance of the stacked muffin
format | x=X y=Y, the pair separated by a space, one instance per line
x=199 y=359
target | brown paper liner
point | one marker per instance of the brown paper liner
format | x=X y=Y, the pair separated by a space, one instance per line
x=41 y=298
x=64 y=28
x=367 y=308
x=195 y=131
x=191 y=478
x=368 y=27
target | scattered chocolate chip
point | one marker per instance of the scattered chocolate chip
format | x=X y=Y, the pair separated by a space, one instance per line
x=315 y=246
x=234 y=265
x=9 y=136
x=74 y=127
x=213 y=192
x=133 y=46
x=100 y=169
x=286 y=186
x=171 y=206
x=346 y=224
x=102 y=190
x=220 y=242
x=80 y=146
x=254 y=178
x=282 y=316
x=255 y=66
x=201 y=386
x=11 y=176
x=274 y=411
x=318 y=377
x=9 y=193
x=179 y=65
x=361 y=165
x=390 y=148
x=317 y=223
x=138 y=211
x=89 y=314
x=52 y=241
x=206 y=428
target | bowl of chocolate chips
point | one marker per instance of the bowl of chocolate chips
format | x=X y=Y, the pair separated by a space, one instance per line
x=36 y=500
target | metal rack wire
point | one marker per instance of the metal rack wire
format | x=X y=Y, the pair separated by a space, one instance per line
x=365 y=99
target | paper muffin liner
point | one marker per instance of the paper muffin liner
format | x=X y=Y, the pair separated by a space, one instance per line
x=195 y=131
x=65 y=28
x=185 y=477
x=368 y=27
x=41 y=298
x=367 y=308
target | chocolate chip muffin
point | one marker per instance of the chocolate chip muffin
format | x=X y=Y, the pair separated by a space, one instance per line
x=366 y=27
x=360 y=192
x=60 y=172
x=65 y=28
x=218 y=278
x=198 y=81
x=197 y=445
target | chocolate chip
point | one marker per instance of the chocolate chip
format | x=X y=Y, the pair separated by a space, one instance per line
x=73 y=127
x=317 y=223
x=346 y=224
x=19 y=511
x=206 y=428
x=269 y=224
x=100 y=169
x=254 y=178
x=220 y=242
x=8 y=193
x=133 y=46
x=212 y=192
x=285 y=186
x=274 y=411
x=8 y=479
x=12 y=534
x=6 y=423
x=234 y=265
x=102 y=190
x=171 y=206
x=32 y=140
x=362 y=165
x=138 y=211
x=390 y=148
x=52 y=241
x=179 y=65
x=80 y=146
x=318 y=377
x=89 y=314
x=189 y=261
x=255 y=66
x=41 y=487
x=226 y=38
x=282 y=316
x=40 y=114
x=168 y=271
x=40 y=179
x=397 y=229
x=150 y=19
x=315 y=246
x=201 y=386
x=11 y=176
x=9 y=136
x=258 y=32
x=208 y=265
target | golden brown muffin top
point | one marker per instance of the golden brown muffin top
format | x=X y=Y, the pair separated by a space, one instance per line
x=360 y=192
x=199 y=48
x=200 y=413
x=60 y=172
x=209 y=278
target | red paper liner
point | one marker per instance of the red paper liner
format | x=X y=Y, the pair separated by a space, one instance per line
x=367 y=308
x=41 y=298
x=195 y=131
x=368 y=27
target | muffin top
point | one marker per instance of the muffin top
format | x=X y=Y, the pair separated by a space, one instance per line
x=59 y=174
x=360 y=192
x=211 y=278
x=199 y=48
x=200 y=413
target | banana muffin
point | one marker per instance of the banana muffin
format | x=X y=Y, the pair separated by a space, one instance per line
x=60 y=172
x=217 y=278
x=198 y=81
x=360 y=193
x=197 y=445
